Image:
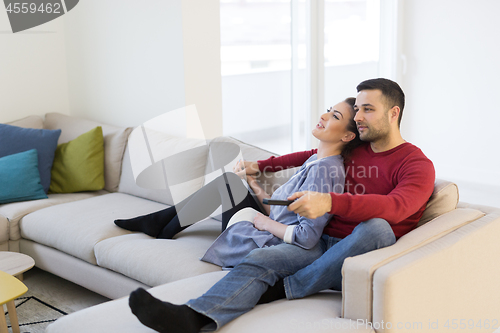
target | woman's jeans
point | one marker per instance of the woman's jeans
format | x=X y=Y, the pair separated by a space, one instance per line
x=305 y=272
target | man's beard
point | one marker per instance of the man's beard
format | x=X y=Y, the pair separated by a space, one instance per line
x=370 y=134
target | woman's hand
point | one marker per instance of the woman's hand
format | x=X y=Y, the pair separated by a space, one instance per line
x=264 y=223
x=250 y=168
x=252 y=181
x=261 y=221
x=311 y=204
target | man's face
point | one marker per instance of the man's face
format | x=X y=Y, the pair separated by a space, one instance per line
x=372 y=116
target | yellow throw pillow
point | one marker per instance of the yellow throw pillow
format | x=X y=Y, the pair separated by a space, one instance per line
x=79 y=164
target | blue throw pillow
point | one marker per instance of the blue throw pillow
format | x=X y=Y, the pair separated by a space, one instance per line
x=19 y=177
x=15 y=139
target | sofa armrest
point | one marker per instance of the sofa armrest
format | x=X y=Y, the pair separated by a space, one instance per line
x=358 y=271
x=450 y=281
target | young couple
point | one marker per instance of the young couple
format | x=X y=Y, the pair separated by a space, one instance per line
x=308 y=251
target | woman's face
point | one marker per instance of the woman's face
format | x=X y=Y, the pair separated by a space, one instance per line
x=332 y=125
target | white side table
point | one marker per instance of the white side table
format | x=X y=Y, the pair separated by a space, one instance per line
x=15 y=263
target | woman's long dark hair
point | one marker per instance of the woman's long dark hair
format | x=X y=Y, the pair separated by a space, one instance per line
x=356 y=142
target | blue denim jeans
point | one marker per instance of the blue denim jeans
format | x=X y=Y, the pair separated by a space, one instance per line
x=305 y=272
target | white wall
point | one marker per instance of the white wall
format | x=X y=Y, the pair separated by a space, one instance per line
x=115 y=61
x=451 y=85
x=33 y=77
x=125 y=61
x=129 y=62
x=202 y=68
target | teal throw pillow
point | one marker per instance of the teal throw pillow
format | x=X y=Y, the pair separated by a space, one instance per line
x=19 y=177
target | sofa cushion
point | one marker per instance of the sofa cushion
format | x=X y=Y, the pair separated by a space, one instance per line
x=20 y=178
x=115 y=141
x=79 y=164
x=28 y=122
x=76 y=227
x=17 y=139
x=15 y=211
x=444 y=199
x=158 y=261
x=319 y=313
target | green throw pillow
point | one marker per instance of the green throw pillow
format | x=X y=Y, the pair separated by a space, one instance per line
x=79 y=164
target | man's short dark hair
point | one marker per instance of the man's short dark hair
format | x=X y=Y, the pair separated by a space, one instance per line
x=394 y=95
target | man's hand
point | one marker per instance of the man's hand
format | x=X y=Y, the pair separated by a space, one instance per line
x=311 y=204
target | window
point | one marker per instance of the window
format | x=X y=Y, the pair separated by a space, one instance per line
x=255 y=65
x=351 y=47
x=285 y=61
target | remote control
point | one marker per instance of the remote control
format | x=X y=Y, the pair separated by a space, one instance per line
x=277 y=202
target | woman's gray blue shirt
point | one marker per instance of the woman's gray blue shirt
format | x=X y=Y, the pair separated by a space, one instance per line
x=319 y=175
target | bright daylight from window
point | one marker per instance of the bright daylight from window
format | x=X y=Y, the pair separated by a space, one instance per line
x=256 y=62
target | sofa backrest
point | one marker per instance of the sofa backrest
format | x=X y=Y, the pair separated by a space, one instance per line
x=128 y=184
x=35 y=122
x=444 y=199
x=165 y=168
x=200 y=166
x=115 y=141
x=270 y=181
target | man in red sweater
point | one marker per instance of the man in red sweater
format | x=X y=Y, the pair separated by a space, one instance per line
x=388 y=183
x=386 y=177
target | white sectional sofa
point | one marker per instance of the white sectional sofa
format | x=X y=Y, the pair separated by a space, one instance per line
x=444 y=270
x=73 y=235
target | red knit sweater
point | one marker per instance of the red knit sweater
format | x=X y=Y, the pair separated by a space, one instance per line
x=394 y=185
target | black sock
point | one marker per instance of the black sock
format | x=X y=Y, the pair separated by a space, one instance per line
x=150 y=224
x=165 y=317
x=273 y=293
x=171 y=229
